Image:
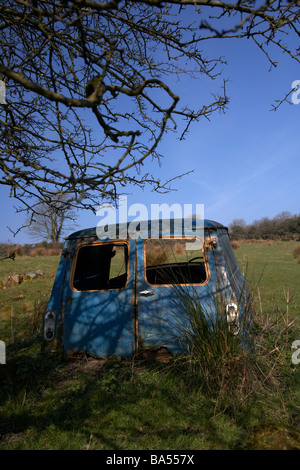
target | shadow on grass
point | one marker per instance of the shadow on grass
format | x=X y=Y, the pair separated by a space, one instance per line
x=46 y=402
x=38 y=391
x=112 y=404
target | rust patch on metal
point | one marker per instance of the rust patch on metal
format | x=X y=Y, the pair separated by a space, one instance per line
x=210 y=243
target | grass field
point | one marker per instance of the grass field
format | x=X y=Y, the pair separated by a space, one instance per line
x=46 y=403
x=273 y=273
x=22 y=305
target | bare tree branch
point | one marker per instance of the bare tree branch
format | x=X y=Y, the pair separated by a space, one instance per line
x=88 y=93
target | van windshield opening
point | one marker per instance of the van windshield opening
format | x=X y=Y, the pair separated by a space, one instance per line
x=175 y=261
x=101 y=267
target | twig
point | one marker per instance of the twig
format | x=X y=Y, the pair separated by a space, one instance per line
x=11 y=256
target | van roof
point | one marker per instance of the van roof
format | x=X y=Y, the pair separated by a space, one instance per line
x=91 y=232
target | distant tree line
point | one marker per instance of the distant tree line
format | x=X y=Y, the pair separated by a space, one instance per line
x=282 y=226
x=10 y=250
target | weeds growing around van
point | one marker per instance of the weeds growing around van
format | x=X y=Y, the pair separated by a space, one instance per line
x=251 y=403
x=216 y=349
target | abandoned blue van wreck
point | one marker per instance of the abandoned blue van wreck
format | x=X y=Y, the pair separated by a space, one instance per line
x=118 y=295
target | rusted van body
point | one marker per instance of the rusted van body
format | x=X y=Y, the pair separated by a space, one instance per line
x=117 y=295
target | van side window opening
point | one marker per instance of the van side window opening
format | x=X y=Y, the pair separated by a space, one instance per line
x=174 y=261
x=101 y=267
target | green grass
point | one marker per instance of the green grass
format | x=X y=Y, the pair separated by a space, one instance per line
x=46 y=403
x=48 y=264
x=22 y=305
x=273 y=274
x=111 y=407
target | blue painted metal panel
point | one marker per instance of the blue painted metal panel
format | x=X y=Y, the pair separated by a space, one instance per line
x=161 y=316
x=100 y=322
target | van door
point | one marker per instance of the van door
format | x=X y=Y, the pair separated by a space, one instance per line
x=99 y=301
x=166 y=269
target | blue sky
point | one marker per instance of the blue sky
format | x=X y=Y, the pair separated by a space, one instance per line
x=246 y=162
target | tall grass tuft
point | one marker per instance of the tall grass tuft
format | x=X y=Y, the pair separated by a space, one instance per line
x=214 y=346
x=296 y=253
x=235 y=245
x=221 y=359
